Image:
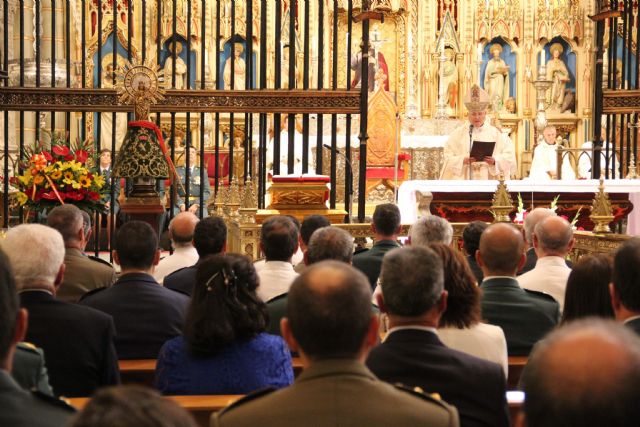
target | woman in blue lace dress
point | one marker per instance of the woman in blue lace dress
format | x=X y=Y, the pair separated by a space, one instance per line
x=224 y=349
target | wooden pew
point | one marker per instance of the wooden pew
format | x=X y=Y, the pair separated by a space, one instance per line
x=143 y=371
x=516 y=366
x=201 y=407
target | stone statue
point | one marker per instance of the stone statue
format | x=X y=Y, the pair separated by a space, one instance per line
x=239 y=69
x=181 y=67
x=450 y=80
x=496 y=78
x=106 y=118
x=558 y=73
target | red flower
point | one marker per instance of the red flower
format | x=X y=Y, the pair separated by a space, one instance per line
x=82 y=156
x=61 y=150
x=74 y=195
x=93 y=196
x=68 y=157
x=47 y=156
x=50 y=195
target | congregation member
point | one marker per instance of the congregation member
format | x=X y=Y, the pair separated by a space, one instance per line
x=386 y=228
x=145 y=313
x=460 y=325
x=132 y=406
x=330 y=324
x=625 y=286
x=414 y=298
x=457 y=149
x=587 y=291
x=584 y=374
x=552 y=241
x=430 y=229
x=310 y=223
x=105 y=170
x=530 y=221
x=181 y=229
x=29 y=368
x=544 y=165
x=224 y=348
x=470 y=242
x=209 y=238
x=82 y=274
x=198 y=181
x=78 y=341
x=327 y=243
x=278 y=242
x=19 y=407
x=524 y=316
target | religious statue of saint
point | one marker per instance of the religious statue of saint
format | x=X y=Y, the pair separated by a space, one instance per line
x=558 y=73
x=239 y=69
x=450 y=80
x=379 y=61
x=496 y=78
x=181 y=67
x=106 y=118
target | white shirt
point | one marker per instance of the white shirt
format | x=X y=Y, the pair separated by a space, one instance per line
x=549 y=276
x=545 y=160
x=275 y=278
x=457 y=148
x=481 y=340
x=181 y=257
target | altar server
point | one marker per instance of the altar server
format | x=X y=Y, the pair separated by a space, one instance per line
x=457 y=162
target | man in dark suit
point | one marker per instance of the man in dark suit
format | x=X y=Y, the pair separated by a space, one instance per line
x=209 y=238
x=310 y=223
x=78 y=341
x=82 y=274
x=385 y=227
x=625 y=286
x=145 y=313
x=18 y=407
x=413 y=296
x=198 y=181
x=524 y=316
x=586 y=374
x=330 y=324
x=104 y=169
x=470 y=241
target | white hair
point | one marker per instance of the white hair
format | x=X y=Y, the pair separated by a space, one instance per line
x=35 y=252
x=431 y=229
x=533 y=218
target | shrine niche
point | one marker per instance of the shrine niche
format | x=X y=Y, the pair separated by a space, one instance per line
x=560 y=63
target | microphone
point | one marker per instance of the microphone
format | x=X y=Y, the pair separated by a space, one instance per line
x=470 y=128
x=348 y=183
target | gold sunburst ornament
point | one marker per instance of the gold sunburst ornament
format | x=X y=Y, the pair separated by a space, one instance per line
x=141 y=85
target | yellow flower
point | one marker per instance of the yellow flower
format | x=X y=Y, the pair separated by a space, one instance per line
x=55 y=175
x=98 y=180
x=84 y=181
x=21 y=198
x=75 y=166
x=38 y=179
x=25 y=178
x=68 y=177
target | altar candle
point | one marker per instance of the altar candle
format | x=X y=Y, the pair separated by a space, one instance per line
x=543 y=58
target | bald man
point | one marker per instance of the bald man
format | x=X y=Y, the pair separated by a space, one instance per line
x=552 y=241
x=181 y=230
x=569 y=384
x=524 y=316
x=530 y=222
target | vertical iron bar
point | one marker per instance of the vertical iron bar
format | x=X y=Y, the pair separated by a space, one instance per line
x=305 y=86
x=248 y=118
x=319 y=124
x=262 y=143
x=231 y=142
x=364 y=95
x=348 y=176
x=218 y=87
x=83 y=66
x=67 y=16
x=291 y=131
x=5 y=67
x=334 y=117
x=277 y=85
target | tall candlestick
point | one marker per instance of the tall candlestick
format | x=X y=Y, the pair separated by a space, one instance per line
x=543 y=58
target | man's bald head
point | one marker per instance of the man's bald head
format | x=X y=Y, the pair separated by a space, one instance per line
x=532 y=219
x=329 y=310
x=553 y=236
x=182 y=227
x=567 y=383
x=501 y=250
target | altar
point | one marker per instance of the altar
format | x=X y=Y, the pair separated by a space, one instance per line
x=463 y=201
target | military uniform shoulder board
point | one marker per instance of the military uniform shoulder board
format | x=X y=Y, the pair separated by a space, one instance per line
x=419 y=392
x=248 y=398
x=27 y=346
x=541 y=294
x=92 y=292
x=54 y=401
x=100 y=260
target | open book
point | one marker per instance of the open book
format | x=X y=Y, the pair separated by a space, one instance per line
x=482 y=149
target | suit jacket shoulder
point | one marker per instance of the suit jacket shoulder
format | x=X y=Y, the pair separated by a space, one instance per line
x=29 y=369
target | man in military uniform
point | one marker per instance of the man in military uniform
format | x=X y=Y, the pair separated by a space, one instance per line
x=18 y=407
x=524 y=316
x=331 y=325
x=197 y=181
x=29 y=369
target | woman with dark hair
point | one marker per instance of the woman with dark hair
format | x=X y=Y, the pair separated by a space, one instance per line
x=224 y=349
x=587 y=292
x=460 y=327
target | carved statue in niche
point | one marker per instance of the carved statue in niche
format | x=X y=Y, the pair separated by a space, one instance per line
x=450 y=80
x=239 y=69
x=106 y=118
x=375 y=62
x=181 y=67
x=496 y=78
x=558 y=73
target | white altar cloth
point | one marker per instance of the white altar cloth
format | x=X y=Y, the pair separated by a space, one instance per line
x=407 y=191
